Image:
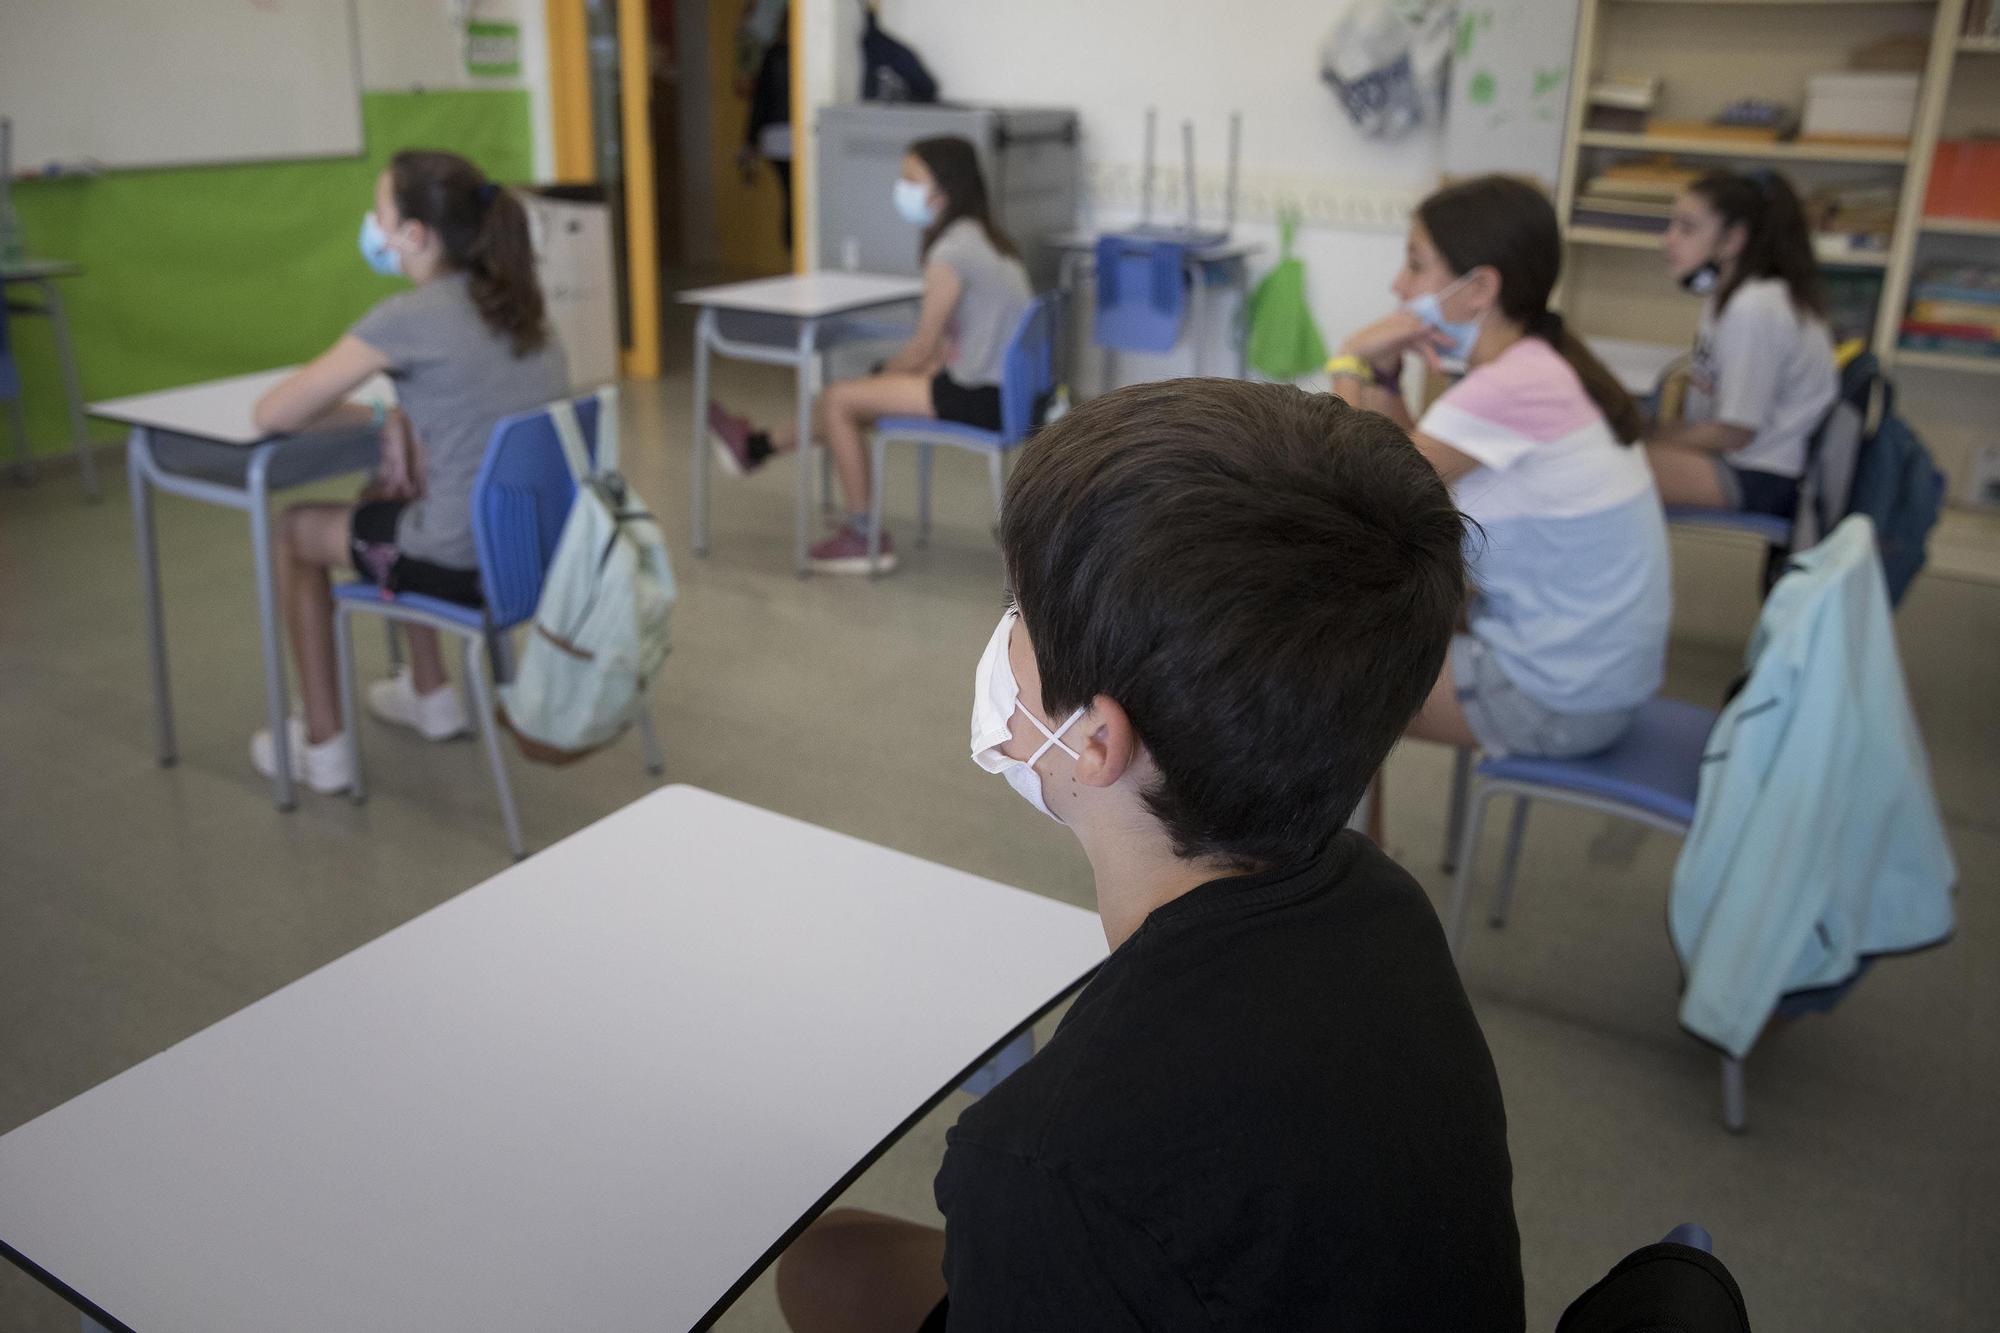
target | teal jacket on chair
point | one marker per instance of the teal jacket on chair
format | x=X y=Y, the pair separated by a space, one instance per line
x=1817 y=840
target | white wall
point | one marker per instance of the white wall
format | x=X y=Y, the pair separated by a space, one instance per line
x=1196 y=59
x=414 y=44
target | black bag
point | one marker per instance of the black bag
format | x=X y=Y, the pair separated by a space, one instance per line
x=891 y=71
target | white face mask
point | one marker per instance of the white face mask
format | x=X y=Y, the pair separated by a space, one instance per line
x=995 y=699
x=913 y=203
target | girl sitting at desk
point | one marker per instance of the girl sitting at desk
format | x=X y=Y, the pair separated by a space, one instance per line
x=975 y=292
x=1763 y=373
x=1566 y=628
x=467 y=345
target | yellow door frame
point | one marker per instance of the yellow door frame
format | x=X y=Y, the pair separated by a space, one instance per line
x=569 y=102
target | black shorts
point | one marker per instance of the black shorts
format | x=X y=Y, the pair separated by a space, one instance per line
x=371 y=544
x=1758 y=492
x=952 y=401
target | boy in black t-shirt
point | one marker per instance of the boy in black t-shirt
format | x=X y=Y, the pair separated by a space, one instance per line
x=1272 y=1108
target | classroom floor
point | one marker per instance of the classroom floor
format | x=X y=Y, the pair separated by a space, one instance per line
x=138 y=905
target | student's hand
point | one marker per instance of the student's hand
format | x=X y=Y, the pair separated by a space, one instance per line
x=1383 y=343
x=396 y=473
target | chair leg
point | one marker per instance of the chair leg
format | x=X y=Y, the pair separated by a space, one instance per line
x=878 y=469
x=489 y=735
x=1503 y=892
x=1468 y=859
x=826 y=481
x=1461 y=778
x=395 y=641
x=924 y=452
x=995 y=465
x=1735 y=1110
x=649 y=744
x=350 y=710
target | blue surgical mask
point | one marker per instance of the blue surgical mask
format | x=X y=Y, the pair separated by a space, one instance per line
x=913 y=203
x=1463 y=333
x=375 y=248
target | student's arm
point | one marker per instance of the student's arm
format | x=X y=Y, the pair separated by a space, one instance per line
x=1711 y=437
x=924 y=352
x=1450 y=463
x=1027 y=1249
x=316 y=393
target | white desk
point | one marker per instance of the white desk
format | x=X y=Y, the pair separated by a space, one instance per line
x=199 y=442
x=600 y=1091
x=1226 y=259
x=792 y=311
x=41 y=275
x=1639 y=366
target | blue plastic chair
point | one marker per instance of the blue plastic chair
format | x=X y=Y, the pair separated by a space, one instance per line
x=10 y=394
x=1768 y=528
x=1027 y=377
x=520 y=501
x=1142 y=296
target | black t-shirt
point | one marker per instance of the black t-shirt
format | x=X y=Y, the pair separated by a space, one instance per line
x=1271 y=1109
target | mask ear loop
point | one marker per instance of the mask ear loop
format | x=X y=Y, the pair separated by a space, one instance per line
x=1054 y=737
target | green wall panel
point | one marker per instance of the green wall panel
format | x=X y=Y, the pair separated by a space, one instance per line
x=197 y=272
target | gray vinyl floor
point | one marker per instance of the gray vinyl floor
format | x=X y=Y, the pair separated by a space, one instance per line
x=138 y=905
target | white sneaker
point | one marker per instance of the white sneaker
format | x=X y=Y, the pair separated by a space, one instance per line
x=327 y=768
x=437 y=716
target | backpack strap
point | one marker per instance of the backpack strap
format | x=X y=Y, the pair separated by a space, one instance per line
x=607 y=428
x=562 y=415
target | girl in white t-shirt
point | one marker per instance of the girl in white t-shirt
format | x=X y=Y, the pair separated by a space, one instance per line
x=1567 y=625
x=1763 y=373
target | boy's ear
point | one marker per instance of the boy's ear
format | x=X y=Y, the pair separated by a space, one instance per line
x=1109 y=745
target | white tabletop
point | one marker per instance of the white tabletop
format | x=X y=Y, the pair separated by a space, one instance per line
x=1208 y=254
x=1638 y=365
x=29 y=270
x=218 y=409
x=808 y=295
x=593 y=1093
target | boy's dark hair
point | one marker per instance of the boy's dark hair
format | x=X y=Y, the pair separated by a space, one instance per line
x=1266 y=581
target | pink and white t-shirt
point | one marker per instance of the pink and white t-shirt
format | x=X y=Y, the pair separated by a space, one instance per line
x=1570 y=573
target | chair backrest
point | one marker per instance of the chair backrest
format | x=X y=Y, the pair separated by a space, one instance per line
x=1141 y=293
x=519 y=503
x=10 y=377
x=1028 y=374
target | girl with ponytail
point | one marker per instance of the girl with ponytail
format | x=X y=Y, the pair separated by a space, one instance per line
x=468 y=344
x=1566 y=631
x=1763 y=373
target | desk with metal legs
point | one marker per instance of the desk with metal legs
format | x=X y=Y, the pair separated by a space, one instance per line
x=198 y=442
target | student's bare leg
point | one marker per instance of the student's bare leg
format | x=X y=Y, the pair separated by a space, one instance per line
x=1441 y=719
x=860 y=1272
x=784 y=436
x=427 y=672
x=1686 y=476
x=312 y=539
x=854 y=405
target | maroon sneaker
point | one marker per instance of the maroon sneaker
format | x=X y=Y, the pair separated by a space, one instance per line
x=846 y=552
x=740 y=449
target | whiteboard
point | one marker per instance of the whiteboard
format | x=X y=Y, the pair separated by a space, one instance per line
x=145 y=83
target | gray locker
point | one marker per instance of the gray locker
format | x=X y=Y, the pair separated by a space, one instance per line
x=1029 y=155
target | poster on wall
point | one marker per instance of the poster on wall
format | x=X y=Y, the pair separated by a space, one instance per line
x=1509 y=99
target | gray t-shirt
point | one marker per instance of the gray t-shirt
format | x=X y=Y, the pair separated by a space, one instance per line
x=455 y=377
x=993 y=294
x=1766 y=367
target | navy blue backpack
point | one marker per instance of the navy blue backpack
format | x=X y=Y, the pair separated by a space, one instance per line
x=1896 y=483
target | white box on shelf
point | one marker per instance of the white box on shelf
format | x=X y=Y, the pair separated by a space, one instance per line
x=1861 y=105
x=572 y=240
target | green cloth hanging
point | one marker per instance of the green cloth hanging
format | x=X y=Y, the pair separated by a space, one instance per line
x=1284 y=342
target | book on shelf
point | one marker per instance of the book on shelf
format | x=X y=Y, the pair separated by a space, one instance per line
x=1957 y=315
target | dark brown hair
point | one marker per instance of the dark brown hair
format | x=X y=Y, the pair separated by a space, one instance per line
x=1265 y=580
x=484 y=232
x=1509 y=226
x=1777 y=243
x=954 y=165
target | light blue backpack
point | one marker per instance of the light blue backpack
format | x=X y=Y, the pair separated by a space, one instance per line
x=602 y=625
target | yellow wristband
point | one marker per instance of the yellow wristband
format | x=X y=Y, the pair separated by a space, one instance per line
x=1350 y=365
